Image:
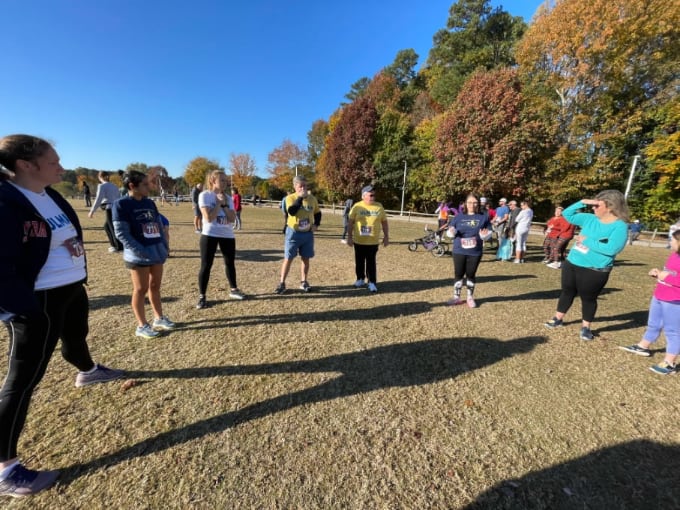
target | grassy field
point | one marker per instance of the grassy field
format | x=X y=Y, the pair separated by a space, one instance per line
x=343 y=399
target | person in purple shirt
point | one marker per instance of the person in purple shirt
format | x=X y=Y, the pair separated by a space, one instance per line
x=469 y=230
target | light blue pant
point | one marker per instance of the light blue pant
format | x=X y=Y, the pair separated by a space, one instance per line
x=664 y=315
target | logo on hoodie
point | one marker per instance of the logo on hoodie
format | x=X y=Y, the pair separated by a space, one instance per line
x=34 y=228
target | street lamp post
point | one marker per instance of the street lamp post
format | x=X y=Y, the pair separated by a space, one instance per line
x=403 y=190
x=630 y=177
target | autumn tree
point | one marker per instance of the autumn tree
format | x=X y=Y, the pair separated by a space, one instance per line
x=284 y=161
x=198 y=168
x=158 y=176
x=597 y=72
x=242 y=169
x=484 y=143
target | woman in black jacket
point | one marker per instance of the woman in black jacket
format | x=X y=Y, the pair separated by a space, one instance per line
x=42 y=298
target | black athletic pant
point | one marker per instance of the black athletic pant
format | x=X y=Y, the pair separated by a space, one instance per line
x=31 y=344
x=110 y=233
x=208 y=247
x=364 y=261
x=584 y=282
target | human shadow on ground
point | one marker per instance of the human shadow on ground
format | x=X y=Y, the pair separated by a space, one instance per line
x=260 y=255
x=391 y=366
x=377 y=313
x=635 y=475
x=628 y=320
x=102 y=302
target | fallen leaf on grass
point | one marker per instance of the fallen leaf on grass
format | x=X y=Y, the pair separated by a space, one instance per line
x=127 y=384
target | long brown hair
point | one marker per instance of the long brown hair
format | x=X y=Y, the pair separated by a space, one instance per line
x=24 y=147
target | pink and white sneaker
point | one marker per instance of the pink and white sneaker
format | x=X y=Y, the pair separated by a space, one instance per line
x=471 y=302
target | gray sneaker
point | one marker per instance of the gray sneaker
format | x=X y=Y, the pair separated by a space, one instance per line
x=146 y=331
x=101 y=374
x=636 y=349
x=24 y=482
x=163 y=323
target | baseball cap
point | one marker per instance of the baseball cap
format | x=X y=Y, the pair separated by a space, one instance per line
x=366 y=189
x=502 y=200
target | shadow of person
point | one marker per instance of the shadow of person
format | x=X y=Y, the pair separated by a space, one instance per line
x=397 y=365
x=634 y=475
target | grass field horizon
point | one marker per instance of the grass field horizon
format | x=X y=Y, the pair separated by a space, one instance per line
x=340 y=398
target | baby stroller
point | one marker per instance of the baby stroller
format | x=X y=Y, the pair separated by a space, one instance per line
x=432 y=241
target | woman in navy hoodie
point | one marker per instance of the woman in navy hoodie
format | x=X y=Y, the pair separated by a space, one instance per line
x=42 y=295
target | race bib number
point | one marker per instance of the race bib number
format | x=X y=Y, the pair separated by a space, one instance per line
x=580 y=247
x=468 y=243
x=74 y=247
x=151 y=230
x=365 y=231
x=304 y=225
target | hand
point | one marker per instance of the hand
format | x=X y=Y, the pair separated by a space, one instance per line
x=580 y=238
x=350 y=241
x=90 y=214
x=386 y=241
x=590 y=201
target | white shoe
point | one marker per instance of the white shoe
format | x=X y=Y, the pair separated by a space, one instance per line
x=359 y=283
x=343 y=241
x=372 y=287
x=554 y=265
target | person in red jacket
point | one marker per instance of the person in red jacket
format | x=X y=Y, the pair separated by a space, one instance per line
x=236 y=199
x=558 y=232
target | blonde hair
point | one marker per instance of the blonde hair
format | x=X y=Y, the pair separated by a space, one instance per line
x=211 y=178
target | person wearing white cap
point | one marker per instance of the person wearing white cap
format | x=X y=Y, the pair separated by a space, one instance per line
x=367 y=220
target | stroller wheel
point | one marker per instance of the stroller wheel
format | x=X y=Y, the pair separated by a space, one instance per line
x=438 y=251
x=413 y=246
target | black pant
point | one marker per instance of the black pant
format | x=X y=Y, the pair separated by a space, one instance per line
x=64 y=313
x=364 y=261
x=208 y=247
x=587 y=283
x=110 y=233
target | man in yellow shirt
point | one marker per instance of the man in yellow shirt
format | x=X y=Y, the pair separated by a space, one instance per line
x=302 y=220
x=367 y=220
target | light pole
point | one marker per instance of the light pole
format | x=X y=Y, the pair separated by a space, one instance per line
x=630 y=177
x=403 y=190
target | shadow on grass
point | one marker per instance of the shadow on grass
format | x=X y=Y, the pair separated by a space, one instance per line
x=634 y=475
x=101 y=302
x=629 y=320
x=392 y=366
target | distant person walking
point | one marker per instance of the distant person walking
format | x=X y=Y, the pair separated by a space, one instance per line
x=107 y=194
x=42 y=296
x=345 y=219
x=218 y=212
x=303 y=218
x=238 y=207
x=522 y=228
x=634 y=231
x=198 y=216
x=139 y=227
x=87 y=194
x=367 y=221
x=664 y=313
x=590 y=261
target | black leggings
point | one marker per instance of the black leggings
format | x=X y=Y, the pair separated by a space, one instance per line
x=587 y=283
x=364 y=261
x=465 y=266
x=64 y=313
x=208 y=247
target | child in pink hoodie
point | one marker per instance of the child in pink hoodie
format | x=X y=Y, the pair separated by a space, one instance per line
x=664 y=313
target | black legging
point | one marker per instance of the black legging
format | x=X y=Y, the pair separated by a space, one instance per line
x=110 y=233
x=208 y=247
x=364 y=261
x=465 y=266
x=587 y=283
x=31 y=344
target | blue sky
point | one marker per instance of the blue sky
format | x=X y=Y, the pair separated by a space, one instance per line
x=113 y=82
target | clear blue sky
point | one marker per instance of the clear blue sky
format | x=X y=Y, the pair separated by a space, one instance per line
x=113 y=82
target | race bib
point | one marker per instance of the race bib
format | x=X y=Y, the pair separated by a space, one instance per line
x=365 y=231
x=468 y=243
x=581 y=247
x=151 y=230
x=74 y=247
x=303 y=225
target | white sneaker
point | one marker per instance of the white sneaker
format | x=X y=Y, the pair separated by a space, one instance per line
x=359 y=283
x=163 y=323
x=343 y=241
x=236 y=294
x=554 y=265
x=372 y=287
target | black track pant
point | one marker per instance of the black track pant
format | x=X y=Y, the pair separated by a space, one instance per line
x=208 y=247
x=584 y=282
x=364 y=261
x=31 y=344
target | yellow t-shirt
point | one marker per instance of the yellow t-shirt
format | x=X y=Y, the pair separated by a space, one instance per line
x=304 y=219
x=367 y=222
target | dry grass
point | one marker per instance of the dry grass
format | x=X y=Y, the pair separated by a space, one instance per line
x=341 y=399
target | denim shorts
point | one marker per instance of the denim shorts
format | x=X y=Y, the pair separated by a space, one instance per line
x=301 y=243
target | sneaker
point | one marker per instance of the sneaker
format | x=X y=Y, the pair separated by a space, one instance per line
x=359 y=283
x=545 y=261
x=280 y=289
x=305 y=286
x=197 y=231
x=236 y=294
x=665 y=368
x=455 y=301
x=113 y=249
x=586 y=334
x=146 y=331
x=518 y=261
x=99 y=375
x=471 y=302
x=372 y=287
x=163 y=323
x=553 y=323
x=24 y=482
x=343 y=241
x=202 y=303
x=636 y=349
x=554 y=265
